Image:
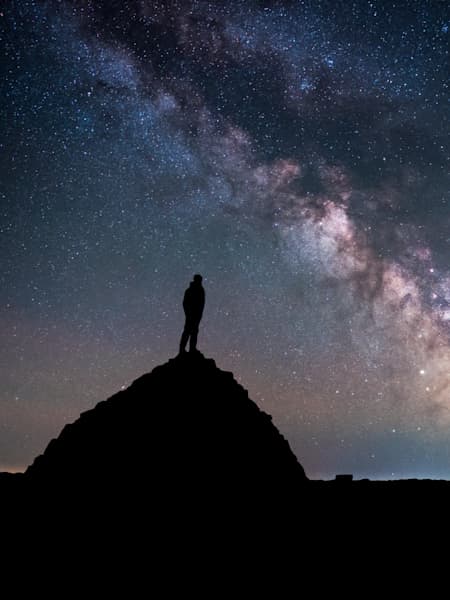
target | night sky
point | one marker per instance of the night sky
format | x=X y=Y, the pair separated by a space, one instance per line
x=293 y=153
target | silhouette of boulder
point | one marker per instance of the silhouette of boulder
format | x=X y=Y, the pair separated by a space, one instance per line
x=186 y=431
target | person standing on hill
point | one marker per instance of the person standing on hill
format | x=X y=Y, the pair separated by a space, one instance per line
x=193 y=304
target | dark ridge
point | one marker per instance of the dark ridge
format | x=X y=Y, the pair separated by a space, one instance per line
x=186 y=431
x=184 y=453
x=184 y=468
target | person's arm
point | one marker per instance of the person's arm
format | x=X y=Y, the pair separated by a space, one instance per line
x=203 y=300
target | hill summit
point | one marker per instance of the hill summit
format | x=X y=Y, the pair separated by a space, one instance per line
x=185 y=430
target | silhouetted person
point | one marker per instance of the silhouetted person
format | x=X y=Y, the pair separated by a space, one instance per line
x=193 y=304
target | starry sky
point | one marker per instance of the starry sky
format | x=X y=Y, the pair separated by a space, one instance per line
x=294 y=153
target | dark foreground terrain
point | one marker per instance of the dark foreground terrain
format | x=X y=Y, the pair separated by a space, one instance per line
x=183 y=464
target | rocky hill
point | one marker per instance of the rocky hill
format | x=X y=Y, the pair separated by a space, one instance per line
x=186 y=432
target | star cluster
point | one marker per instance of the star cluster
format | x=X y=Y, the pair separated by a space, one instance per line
x=294 y=153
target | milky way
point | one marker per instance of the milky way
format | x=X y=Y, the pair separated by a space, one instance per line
x=294 y=153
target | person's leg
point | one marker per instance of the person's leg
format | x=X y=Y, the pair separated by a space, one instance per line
x=184 y=337
x=194 y=335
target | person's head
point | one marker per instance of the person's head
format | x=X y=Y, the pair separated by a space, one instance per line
x=198 y=279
